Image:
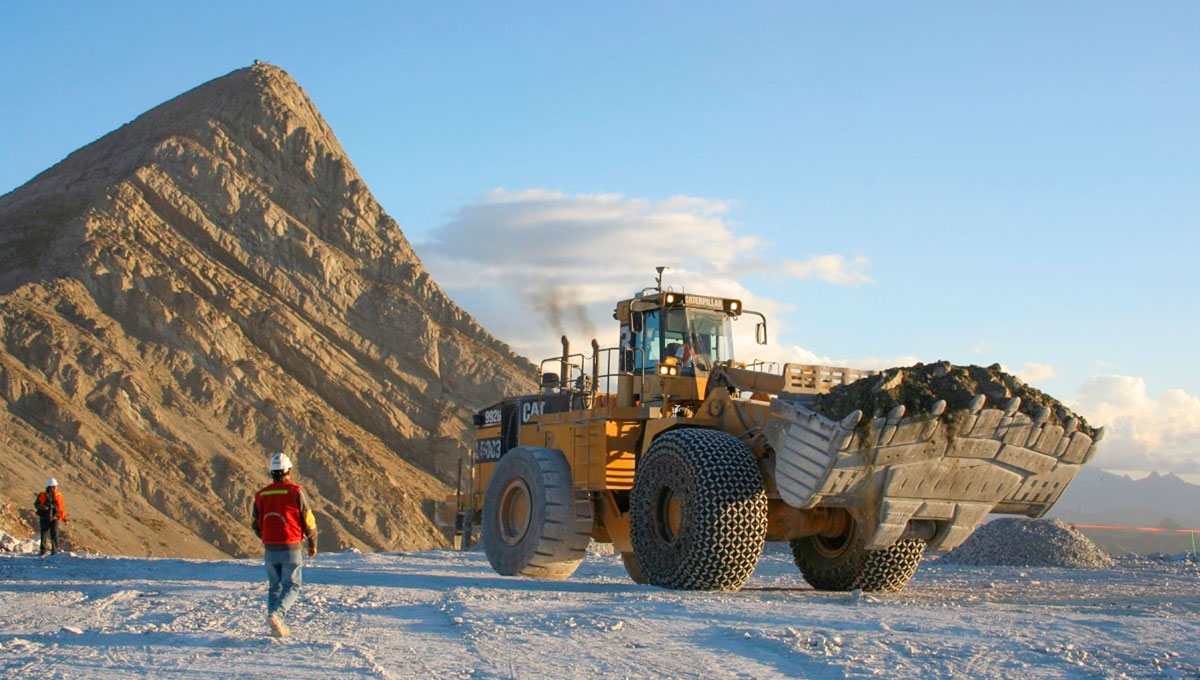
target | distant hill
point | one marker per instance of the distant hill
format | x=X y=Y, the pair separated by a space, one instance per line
x=1099 y=497
x=210 y=283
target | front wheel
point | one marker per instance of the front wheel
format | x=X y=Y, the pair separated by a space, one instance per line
x=698 y=512
x=842 y=563
x=534 y=523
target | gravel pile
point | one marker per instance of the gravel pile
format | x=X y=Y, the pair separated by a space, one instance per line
x=1017 y=541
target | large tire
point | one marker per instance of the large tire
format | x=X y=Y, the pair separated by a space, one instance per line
x=534 y=523
x=698 y=512
x=842 y=563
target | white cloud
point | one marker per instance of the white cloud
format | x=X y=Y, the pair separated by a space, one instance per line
x=1034 y=372
x=599 y=245
x=561 y=261
x=1142 y=432
x=801 y=355
x=834 y=269
x=1031 y=371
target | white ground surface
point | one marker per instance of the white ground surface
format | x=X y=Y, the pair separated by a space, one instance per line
x=446 y=615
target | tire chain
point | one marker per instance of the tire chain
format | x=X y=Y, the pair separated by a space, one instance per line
x=724 y=521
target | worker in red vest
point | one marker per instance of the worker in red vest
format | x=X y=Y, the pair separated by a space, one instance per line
x=50 y=510
x=282 y=519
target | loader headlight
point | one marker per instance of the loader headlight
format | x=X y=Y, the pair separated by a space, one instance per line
x=733 y=306
x=670 y=298
x=667 y=370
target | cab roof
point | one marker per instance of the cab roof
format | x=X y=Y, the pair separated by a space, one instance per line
x=655 y=299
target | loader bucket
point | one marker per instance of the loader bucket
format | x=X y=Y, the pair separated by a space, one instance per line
x=953 y=468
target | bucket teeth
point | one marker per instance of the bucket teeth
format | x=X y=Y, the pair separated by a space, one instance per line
x=1012 y=406
x=851 y=419
x=977 y=403
x=939 y=407
x=1042 y=416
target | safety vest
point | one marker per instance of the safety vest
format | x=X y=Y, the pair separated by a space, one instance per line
x=54 y=508
x=279 y=513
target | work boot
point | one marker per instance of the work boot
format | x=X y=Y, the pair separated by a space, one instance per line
x=278 y=627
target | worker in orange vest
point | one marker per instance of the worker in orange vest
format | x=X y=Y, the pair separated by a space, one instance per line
x=282 y=518
x=50 y=510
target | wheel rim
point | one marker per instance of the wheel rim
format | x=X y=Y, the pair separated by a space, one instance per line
x=669 y=515
x=833 y=546
x=515 y=512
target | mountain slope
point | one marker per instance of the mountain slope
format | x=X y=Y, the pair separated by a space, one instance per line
x=207 y=284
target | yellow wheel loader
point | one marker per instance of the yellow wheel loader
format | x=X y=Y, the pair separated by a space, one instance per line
x=688 y=461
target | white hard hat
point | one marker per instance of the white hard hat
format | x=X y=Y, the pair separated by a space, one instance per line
x=50 y=481
x=280 y=462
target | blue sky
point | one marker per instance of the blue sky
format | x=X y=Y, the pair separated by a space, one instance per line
x=1020 y=182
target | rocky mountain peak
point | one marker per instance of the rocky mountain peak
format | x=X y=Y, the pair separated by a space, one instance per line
x=214 y=281
x=256 y=119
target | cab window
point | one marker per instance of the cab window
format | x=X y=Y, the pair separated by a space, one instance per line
x=697 y=338
x=649 y=341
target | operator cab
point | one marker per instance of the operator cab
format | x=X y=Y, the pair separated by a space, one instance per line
x=695 y=331
x=670 y=344
x=677 y=334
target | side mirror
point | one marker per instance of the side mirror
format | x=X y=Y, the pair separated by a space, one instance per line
x=549 y=380
x=760 y=333
x=635 y=320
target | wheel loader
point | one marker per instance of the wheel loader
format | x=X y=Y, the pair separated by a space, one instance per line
x=687 y=462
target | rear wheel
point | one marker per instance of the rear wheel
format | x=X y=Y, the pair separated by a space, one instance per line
x=698 y=513
x=534 y=523
x=842 y=563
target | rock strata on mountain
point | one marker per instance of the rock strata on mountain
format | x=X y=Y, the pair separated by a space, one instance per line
x=208 y=284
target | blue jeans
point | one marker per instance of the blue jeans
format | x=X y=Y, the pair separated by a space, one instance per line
x=283 y=579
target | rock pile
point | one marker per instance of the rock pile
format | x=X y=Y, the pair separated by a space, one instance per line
x=208 y=284
x=919 y=386
x=1022 y=542
x=21 y=546
x=601 y=549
